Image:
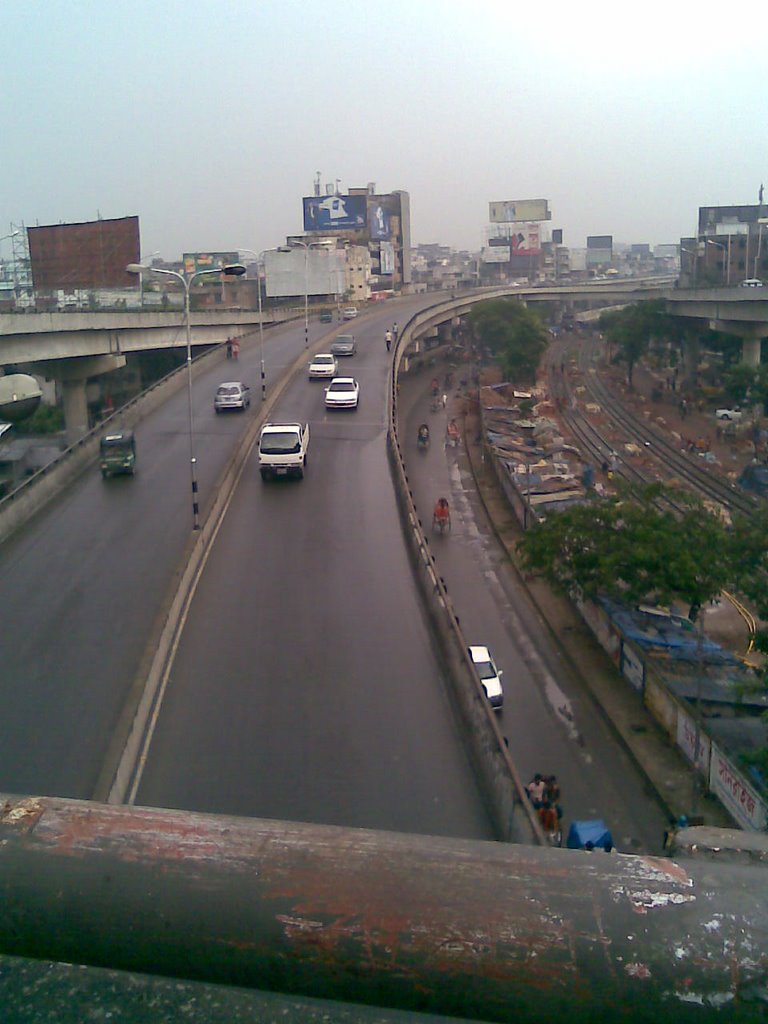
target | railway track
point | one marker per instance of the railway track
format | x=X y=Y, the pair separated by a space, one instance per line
x=677 y=465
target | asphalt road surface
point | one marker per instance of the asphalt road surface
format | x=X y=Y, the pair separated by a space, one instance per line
x=306 y=686
x=551 y=724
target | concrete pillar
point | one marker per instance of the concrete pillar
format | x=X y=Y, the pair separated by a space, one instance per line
x=750 y=352
x=73 y=375
x=75 y=409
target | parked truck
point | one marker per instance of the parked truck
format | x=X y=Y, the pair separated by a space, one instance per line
x=283 y=449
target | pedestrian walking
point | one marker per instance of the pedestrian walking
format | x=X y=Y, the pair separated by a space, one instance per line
x=395 y=330
x=388 y=339
x=444 y=399
x=235 y=348
x=229 y=348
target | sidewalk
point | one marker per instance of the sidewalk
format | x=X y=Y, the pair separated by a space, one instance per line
x=662 y=764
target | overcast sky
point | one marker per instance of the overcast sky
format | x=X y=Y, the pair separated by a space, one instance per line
x=210 y=119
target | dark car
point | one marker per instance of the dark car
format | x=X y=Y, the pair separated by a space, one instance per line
x=326 y=317
x=344 y=345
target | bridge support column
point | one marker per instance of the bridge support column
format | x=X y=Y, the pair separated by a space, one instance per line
x=750 y=351
x=73 y=375
x=751 y=335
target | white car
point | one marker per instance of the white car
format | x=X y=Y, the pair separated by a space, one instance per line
x=232 y=394
x=734 y=415
x=323 y=365
x=349 y=313
x=751 y=282
x=490 y=676
x=342 y=393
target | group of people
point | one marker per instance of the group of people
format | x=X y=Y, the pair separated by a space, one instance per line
x=544 y=793
x=390 y=335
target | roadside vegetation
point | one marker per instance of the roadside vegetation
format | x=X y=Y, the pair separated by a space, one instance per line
x=512 y=335
x=635 y=548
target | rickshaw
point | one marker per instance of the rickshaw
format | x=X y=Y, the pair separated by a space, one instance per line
x=118 y=453
x=441 y=516
x=422 y=437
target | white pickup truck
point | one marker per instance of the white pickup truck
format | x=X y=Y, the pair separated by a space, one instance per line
x=283 y=449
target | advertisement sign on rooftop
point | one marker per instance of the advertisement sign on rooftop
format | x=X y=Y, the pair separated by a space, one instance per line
x=92 y=254
x=513 y=210
x=334 y=213
x=194 y=262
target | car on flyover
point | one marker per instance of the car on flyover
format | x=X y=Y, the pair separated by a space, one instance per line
x=490 y=676
x=751 y=282
x=232 y=394
x=323 y=365
x=349 y=313
x=342 y=393
x=326 y=316
x=344 y=345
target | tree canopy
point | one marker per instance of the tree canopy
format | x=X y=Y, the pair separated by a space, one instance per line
x=629 y=548
x=513 y=334
x=632 y=328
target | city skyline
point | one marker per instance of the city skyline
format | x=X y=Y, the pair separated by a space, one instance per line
x=625 y=125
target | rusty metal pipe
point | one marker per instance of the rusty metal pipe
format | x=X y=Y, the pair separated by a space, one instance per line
x=480 y=930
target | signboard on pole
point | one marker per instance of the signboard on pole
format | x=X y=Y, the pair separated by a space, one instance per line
x=514 y=210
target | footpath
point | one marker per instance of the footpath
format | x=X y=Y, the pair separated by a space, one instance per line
x=662 y=764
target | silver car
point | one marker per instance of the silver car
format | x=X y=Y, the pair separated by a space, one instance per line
x=232 y=394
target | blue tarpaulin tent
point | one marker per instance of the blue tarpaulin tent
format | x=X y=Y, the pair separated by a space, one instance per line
x=595 y=832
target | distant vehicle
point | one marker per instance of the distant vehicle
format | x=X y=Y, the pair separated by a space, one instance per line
x=326 y=317
x=349 y=313
x=751 y=282
x=117 y=453
x=342 y=393
x=490 y=676
x=754 y=478
x=283 y=449
x=733 y=415
x=344 y=345
x=323 y=365
x=232 y=394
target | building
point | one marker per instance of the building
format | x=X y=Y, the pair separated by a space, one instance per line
x=731 y=246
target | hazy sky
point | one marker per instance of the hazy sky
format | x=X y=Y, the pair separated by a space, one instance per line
x=210 y=119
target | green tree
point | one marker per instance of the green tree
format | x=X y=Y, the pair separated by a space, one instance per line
x=738 y=382
x=513 y=334
x=628 y=548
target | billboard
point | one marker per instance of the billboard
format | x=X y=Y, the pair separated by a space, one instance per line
x=319 y=271
x=387 y=260
x=334 y=213
x=379 y=221
x=600 y=242
x=520 y=239
x=495 y=254
x=92 y=254
x=513 y=210
x=194 y=262
x=557 y=236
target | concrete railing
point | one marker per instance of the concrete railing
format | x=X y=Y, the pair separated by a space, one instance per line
x=513 y=816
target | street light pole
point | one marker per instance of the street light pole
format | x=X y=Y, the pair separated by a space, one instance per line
x=235 y=270
x=720 y=246
x=259 y=263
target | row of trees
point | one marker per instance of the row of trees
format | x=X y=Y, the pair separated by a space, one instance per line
x=635 y=329
x=512 y=334
x=655 y=545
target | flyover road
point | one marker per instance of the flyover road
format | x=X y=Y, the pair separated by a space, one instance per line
x=82 y=584
x=306 y=686
x=551 y=724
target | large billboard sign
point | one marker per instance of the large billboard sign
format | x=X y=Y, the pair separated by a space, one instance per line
x=495 y=254
x=194 y=262
x=514 y=210
x=379 y=221
x=319 y=271
x=93 y=254
x=334 y=213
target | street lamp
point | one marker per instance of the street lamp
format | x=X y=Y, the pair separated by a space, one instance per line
x=761 y=221
x=233 y=270
x=726 y=249
x=259 y=263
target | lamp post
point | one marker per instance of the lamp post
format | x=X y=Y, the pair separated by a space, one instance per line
x=259 y=263
x=725 y=250
x=234 y=270
x=761 y=221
